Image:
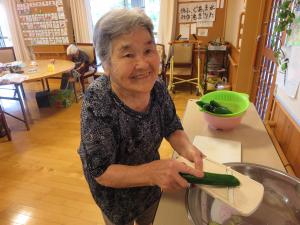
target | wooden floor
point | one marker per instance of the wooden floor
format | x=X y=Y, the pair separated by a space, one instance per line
x=41 y=180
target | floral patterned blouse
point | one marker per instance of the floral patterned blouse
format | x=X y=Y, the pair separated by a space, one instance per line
x=112 y=133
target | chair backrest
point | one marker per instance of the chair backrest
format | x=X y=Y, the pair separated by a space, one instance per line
x=89 y=49
x=161 y=52
x=162 y=57
x=183 y=53
x=7 y=54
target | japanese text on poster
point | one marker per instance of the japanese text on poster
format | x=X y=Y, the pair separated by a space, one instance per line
x=194 y=12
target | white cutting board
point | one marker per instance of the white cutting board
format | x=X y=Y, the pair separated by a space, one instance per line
x=219 y=150
x=244 y=198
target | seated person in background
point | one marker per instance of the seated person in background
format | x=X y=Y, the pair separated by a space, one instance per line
x=81 y=60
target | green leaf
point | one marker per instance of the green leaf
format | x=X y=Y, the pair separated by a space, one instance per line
x=293 y=15
x=279 y=27
x=286 y=18
x=284 y=67
x=282 y=15
x=286 y=4
x=290 y=20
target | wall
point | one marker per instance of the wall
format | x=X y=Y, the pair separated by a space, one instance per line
x=253 y=20
x=241 y=76
x=291 y=105
x=233 y=66
x=214 y=32
x=233 y=11
x=285 y=134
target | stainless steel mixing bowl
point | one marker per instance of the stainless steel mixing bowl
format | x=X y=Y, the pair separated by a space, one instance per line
x=280 y=205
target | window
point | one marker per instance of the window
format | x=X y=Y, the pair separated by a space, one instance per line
x=151 y=7
x=5 y=37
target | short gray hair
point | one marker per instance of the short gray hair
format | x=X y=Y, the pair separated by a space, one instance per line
x=72 y=49
x=115 y=23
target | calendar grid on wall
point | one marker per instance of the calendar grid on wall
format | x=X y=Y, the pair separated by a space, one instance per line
x=44 y=22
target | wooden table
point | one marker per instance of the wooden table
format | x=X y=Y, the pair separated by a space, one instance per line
x=37 y=72
x=257 y=147
x=40 y=71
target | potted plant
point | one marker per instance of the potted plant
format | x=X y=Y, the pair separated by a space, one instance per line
x=286 y=17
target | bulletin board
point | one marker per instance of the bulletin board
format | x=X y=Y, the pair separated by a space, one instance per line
x=45 y=22
x=204 y=18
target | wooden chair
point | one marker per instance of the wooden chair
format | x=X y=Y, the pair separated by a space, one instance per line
x=16 y=88
x=4 y=123
x=88 y=71
x=88 y=48
x=7 y=54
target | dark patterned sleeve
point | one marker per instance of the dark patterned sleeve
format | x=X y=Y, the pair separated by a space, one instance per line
x=171 y=120
x=85 y=58
x=98 y=145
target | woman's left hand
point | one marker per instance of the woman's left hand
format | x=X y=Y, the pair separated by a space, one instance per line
x=185 y=148
x=196 y=156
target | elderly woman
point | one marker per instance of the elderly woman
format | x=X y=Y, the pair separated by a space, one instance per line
x=81 y=60
x=125 y=116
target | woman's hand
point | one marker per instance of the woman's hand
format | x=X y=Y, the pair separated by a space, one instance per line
x=196 y=156
x=186 y=149
x=165 y=174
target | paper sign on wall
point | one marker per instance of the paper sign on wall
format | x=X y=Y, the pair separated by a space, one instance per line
x=280 y=78
x=293 y=78
x=193 y=28
x=294 y=38
x=199 y=11
x=202 y=32
x=205 y=24
x=184 y=30
x=291 y=87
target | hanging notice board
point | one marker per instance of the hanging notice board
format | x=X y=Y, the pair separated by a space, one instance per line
x=204 y=18
x=45 y=22
x=197 y=11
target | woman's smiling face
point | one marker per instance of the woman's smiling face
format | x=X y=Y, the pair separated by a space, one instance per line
x=134 y=63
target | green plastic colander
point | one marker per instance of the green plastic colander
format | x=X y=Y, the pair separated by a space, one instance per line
x=236 y=102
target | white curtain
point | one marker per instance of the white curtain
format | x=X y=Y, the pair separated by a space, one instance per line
x=167 y=23
x=82 y=21
x=21 y=51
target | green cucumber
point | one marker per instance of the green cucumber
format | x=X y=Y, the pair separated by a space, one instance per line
x=208 y=107
x=213 y=107
x=201 y=103
x=215 y=103
x=212 y=179
x=221 y=110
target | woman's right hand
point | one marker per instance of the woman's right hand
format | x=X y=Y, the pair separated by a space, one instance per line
x=165 y=174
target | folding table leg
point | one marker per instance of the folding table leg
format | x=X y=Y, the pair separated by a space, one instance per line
x=47 y=84
x=22 y=107
x=22 y=90
x=43 y=83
